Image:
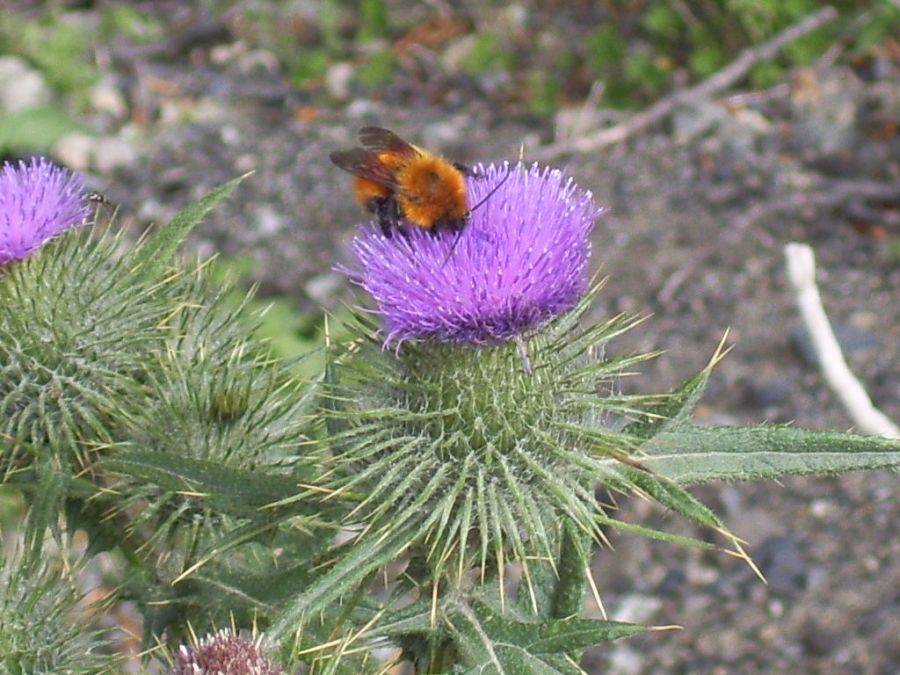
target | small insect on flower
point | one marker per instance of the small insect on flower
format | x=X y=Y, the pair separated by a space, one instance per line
x=397 y=181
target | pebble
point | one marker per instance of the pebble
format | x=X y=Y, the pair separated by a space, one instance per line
x=21 y=87
x=364 y=108
x=338 y=80
x=673 y=583
x=106 y=98
x=624 y=660
x=767 y=392
x=782 y=562
x=636 y=608
x=324 y=288
x=74 y=150
x=457 y=52
x=113 y=152
x=268 y=221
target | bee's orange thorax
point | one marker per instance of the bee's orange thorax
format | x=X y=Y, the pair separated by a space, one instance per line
x=431 y=190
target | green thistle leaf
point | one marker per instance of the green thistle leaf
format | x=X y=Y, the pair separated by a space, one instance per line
x=229 y=490
x=492 y=639
x=156 y=255
x=695 y=454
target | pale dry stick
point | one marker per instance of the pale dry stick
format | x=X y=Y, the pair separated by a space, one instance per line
x=723 y=79
x=801 y=271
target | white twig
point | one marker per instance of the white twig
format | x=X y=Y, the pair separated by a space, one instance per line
x=801 y=269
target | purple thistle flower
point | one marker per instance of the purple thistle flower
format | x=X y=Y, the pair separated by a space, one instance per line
x=223 y=654
x=519 y=263
x=38 y=200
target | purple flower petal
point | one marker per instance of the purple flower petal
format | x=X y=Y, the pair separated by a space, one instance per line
x=38 y=200
x=519 y=263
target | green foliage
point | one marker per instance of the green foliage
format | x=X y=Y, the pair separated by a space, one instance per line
x=373 y=20
x=490 y=638
x=486 y=55
x=56 y=44
x=544 y=91
x=156 y=255
x=35 y=129
x=309 y=65
x=121 y=19
x=290 y=336
x=377 y=71
x=883 y=23
x=637 y=61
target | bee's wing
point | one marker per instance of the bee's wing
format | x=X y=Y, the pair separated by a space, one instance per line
x=364 y=164
x=384 y=140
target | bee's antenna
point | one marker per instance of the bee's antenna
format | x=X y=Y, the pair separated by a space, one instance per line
x=493 y=190
x=483 y=200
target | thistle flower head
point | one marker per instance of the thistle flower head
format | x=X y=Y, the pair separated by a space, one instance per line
x=221 y=653
x=38 y=200
x=518 y=263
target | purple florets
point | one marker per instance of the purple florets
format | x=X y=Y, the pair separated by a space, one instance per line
x=519 y=263
x=38 y=200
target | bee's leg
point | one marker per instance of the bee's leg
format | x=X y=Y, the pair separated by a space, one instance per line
x=464 y=170
x=383 y=210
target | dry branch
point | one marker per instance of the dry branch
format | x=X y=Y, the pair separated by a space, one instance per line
x=801 y=269
x=723 y=79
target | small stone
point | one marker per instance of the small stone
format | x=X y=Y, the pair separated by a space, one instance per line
x=454 y=57
x=324 y=288
x=21 y=87
x=363 y=108
x=625 y=661
x=268 y=220
x=105 y=97
x=822 y=508
x=636 y=608
x=338 y=79
x=113 y=152
x=75 y=150
x=673 y=583
x=781 y=561
x=768 y=392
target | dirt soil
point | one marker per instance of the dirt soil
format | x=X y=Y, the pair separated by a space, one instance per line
x=699 y=210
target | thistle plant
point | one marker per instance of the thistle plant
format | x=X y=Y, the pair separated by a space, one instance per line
x=432 y=491
x=482 y=422
x=45 y=624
